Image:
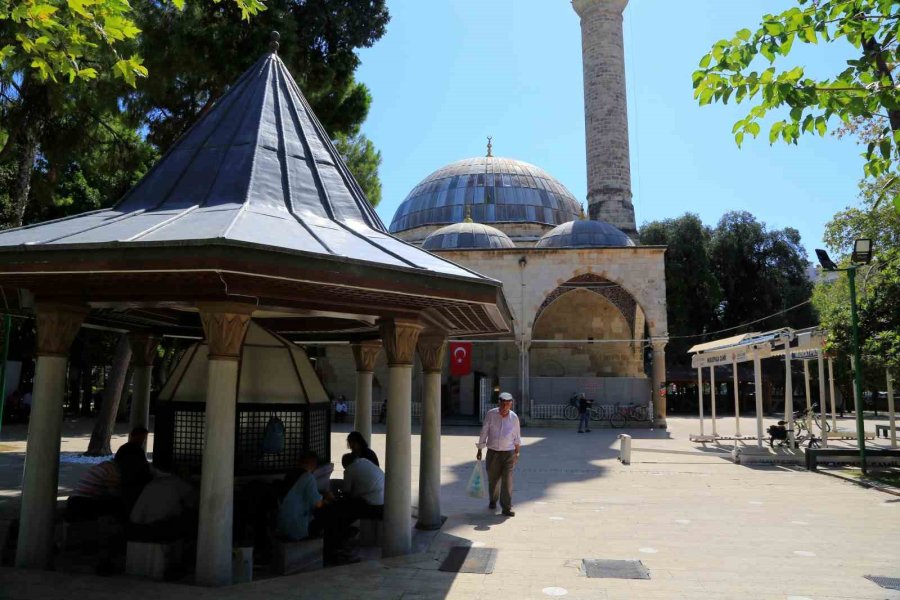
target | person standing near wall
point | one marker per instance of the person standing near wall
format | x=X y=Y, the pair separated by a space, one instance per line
x=584 y=413
x=502 y=436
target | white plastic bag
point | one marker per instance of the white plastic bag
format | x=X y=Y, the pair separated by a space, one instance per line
x=477 y=487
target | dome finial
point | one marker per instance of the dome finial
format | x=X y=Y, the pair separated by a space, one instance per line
x=468 y=218
x=581 y=214
x=490 y=147
x=273 y=42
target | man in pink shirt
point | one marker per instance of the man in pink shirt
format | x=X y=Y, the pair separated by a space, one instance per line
x=500 y=433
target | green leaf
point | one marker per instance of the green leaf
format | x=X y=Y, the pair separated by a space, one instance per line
x=744 y=34
x=704 y=62
x=821 y=126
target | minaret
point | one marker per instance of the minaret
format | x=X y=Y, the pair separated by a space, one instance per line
x=606 y=113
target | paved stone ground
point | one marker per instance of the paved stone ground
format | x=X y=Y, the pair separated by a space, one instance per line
x=705 y=527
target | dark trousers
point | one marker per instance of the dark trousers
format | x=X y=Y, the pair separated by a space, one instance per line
x=500 y=467
x=584 y=421
x=335 y=520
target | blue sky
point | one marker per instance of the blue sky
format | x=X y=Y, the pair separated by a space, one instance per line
x=450 y=72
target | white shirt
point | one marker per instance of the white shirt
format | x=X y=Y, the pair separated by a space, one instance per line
x=363 y=479
x=499 y=433
x=163 y=498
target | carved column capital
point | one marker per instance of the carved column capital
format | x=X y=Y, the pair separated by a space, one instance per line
x=431 y=348
x=57 y=326
x=225 y=327
x=365 y=354
x=143 y=348
x=400 y=337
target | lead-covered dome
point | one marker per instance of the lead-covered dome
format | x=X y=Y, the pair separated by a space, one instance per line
x=467 y=236
x=498 y=190
x=584 y=234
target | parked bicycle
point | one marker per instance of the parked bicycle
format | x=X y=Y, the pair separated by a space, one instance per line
x=813 y=416
x=620 y=415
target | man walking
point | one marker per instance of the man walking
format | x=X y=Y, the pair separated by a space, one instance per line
x=584 y=413
x=501 y=434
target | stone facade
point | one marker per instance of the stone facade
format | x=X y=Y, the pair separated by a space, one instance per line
x=606 y=113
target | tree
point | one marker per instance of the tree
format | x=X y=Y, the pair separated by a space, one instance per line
x=196 y=54
x=692 y=291
x=76 y=39
x=363 y=161
x=760 y=272
x=878 y=286
x=112 y=393
x=866 y=90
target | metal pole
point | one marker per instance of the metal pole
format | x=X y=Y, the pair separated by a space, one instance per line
x=712 y=394
x=892 y=420
x=737 y=400
x=822 y=405
x=808 y=398
x=7 y=324
x=789 y=396
x=700 y=396
x=831 y=394
x=757 y=384
x=857 y=371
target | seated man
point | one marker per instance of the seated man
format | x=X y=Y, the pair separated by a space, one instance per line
x=166 y=508
x=295 y=512
x=362 y=496
x=98 y=492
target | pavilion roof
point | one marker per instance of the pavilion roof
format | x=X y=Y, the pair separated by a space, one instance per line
x=256 y=180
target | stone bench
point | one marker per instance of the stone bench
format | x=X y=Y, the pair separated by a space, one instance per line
x=371 y=532
x=295 y=557
x=152 y=559
x=850 y=456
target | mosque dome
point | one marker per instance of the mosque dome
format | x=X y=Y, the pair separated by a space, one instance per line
x=467 y=235
x=584 y=234
x=497 y=190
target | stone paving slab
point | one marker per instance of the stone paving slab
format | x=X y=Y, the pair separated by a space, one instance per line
x=704 y=527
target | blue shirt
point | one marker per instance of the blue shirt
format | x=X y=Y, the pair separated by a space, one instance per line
x=296 y=509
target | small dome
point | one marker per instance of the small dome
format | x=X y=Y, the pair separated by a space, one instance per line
x=584 y=234
x=498 y=190
x=467 y=235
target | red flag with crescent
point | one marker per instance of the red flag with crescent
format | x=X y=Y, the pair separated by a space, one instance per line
x=460 y=358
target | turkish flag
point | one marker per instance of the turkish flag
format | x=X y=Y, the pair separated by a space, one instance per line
x=460 y=358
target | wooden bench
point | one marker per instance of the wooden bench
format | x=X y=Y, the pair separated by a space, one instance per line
x=879 y=429
x=814 y=455
x=295 y=557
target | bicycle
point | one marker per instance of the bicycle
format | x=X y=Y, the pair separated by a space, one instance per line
x=801 y=416
x=571 y=411
x=620 y=415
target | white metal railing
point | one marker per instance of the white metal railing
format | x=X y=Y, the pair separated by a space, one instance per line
x=376 y=409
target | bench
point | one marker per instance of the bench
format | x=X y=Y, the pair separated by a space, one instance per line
x=815 y=455
x=295 y=557
x=152 y=559
x=883 y=429
x=371 y=532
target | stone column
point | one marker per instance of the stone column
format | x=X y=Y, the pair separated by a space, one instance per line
x=399 y=337
x=364 y=353
x=225 y=327
x=57 y=326
x=143 y=352
x=431 y=352
x=606 y=113
x=658 y=383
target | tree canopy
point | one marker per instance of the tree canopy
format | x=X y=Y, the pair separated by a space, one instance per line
x=729 y=278
x=878 y=286
x=750 y=68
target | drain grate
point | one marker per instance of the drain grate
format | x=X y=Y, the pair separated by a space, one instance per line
x=598 y=568
x=888 y=583
x=465 y=559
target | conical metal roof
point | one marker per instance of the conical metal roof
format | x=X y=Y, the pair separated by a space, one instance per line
x=259 y=169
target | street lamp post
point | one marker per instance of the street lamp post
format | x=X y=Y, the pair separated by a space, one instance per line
x=862 y=254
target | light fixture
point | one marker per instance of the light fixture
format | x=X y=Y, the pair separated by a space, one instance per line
x=825 y=261
x=862 y=251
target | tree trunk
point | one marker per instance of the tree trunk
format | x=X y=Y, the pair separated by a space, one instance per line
x=106 y=417
x=87 y=374
x=122 y=414
x=24 y=169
